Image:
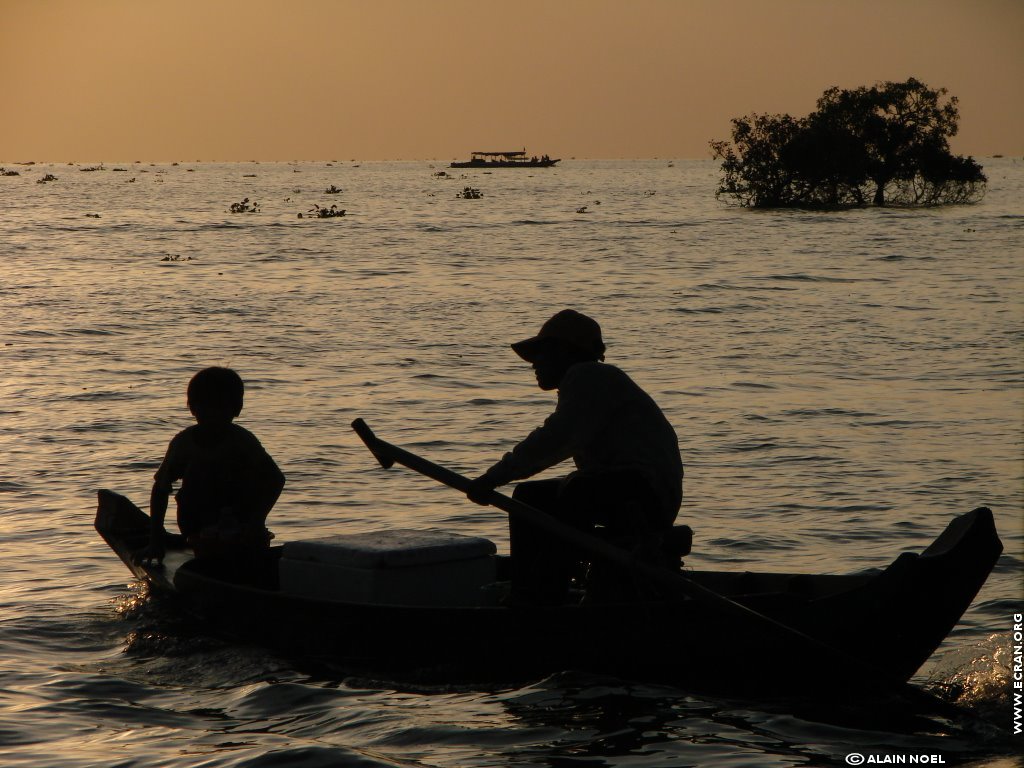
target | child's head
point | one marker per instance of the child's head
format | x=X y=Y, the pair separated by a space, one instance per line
x=215 y=394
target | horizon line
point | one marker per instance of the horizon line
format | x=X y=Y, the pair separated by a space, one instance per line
x=294 y=161
x=326 y=160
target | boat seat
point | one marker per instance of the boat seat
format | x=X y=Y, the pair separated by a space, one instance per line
x=604 y=583
x=676 y=543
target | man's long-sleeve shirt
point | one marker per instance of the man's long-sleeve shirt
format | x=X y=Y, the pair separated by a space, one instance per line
x=605 y=423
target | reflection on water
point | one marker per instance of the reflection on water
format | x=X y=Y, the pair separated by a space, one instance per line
x=842 y=385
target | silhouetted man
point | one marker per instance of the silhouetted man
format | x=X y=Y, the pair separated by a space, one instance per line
x=628 y=474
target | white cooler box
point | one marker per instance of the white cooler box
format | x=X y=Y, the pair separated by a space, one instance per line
x=394 y=567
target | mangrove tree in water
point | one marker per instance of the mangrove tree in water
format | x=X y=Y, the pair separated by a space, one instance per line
x=883 y=145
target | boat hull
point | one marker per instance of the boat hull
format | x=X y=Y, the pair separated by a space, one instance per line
x=488 y=164
x=891 y=620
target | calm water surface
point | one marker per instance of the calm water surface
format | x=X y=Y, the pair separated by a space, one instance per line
x=842 y=384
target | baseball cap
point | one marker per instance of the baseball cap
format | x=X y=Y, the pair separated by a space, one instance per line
x=568 y=326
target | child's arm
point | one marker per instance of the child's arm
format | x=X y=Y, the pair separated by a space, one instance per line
x=155 y=550
x=158 y=498
x=270 y=486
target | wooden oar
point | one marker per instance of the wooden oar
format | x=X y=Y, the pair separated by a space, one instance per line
x=388 y=455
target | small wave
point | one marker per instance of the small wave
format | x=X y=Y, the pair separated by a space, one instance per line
x=811 y=458
x=1008 y=563
x=890 y=423
x=317 y=461
x=133 y=465
x=715 y=310
x=850 y=508
x=641 y=223
x=895 y=257
x=754 y=545
x=101 y=396
x=318 y=757
x=97 y=426
x=803 y=277
x=744 y=288
x=980 y=679
x=216 y=227
x=748 y=447
x=88 y=332
x=829 y=412
x=706 y=311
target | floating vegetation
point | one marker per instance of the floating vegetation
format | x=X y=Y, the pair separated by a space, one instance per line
x=470 y=193
x=581 y=209
x=5 y=172
x=92 y=168
x=650 y=193
x=441 y=175
x=46 y=178
x=332 y=190
x=176 y=257
x=248 y=175
x=316 y=212
x=131 y=180
x=119 y=170
x=245 y=207
x=92 y=215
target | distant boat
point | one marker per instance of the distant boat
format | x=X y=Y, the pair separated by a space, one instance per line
x=517 y=159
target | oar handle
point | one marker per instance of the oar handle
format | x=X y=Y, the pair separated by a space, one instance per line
x=371 y=440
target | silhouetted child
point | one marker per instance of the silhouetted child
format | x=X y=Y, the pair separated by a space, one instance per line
x=229 y=483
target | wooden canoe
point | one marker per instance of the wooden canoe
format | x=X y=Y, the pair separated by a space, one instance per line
x=890 y=620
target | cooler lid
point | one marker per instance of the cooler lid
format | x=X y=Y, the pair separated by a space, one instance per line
x=392 y=548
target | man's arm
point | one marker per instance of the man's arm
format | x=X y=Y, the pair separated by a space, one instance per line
x=551 y=443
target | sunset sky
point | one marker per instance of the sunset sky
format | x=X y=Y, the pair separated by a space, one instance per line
x=90 y=80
